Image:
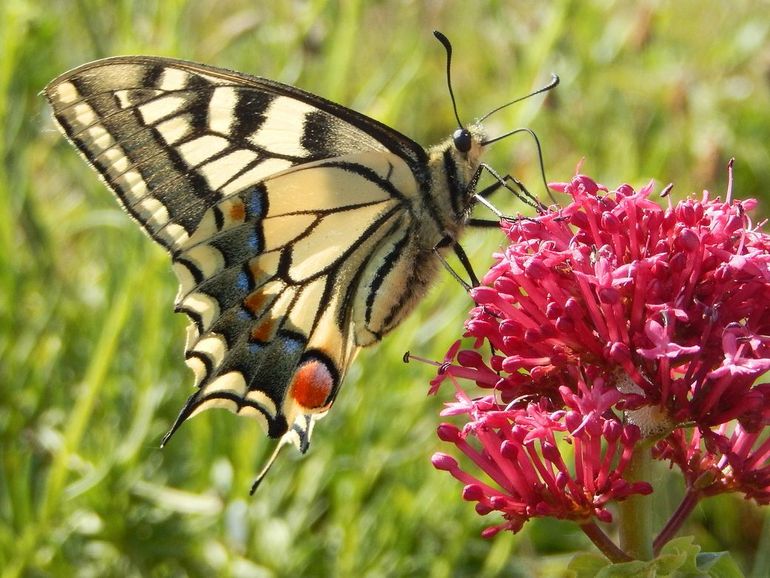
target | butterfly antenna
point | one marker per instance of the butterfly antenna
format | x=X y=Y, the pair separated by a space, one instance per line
x=553 y=84
x=448 y=47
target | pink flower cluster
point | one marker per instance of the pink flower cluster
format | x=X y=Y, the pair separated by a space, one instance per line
x=614 y=320
x=521 y=454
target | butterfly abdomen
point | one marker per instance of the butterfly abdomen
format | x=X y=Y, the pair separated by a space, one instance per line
x=399 y=274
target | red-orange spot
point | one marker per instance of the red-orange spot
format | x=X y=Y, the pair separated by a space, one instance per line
x=312 y=385
x=237 y=211
x=254 y=302
x=264 y=331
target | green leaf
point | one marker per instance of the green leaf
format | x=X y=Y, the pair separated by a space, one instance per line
x=697 y=563
x=680 y=558
x=718 y=565
x=597 y=566
x=679 y=555
x=633 y=569
x=586 y=565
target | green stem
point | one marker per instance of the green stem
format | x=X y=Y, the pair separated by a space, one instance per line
x=602 y=541
x=635 y=512
x=687 y=505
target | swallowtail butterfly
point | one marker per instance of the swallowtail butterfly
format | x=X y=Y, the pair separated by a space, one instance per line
x=300 y=230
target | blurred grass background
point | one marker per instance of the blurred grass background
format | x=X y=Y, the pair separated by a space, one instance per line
x=91 y=371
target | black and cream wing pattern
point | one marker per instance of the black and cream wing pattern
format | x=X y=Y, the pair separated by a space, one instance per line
x=299 y=230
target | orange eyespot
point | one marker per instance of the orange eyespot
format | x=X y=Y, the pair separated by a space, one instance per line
x=312 y=385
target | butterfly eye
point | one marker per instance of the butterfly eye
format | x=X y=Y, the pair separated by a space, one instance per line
x=462 y=140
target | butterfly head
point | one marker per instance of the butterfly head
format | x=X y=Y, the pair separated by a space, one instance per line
x=461 y=156
x=468 y=144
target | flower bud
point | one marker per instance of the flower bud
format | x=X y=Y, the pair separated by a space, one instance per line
x=444 y=462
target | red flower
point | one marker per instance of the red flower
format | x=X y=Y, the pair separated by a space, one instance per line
x=518 y=448
x=612 y=311
x=726 y=459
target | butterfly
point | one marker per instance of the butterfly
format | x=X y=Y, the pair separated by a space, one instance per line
x=300 y=230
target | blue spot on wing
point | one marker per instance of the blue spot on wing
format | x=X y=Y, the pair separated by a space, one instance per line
x=255 y=347
x=254 y=244
x=292 y=346
x=243 y=282
x=255 y=202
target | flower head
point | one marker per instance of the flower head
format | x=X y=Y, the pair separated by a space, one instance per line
x=610 y=316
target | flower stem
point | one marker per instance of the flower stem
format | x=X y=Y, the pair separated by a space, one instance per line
x=677 y=519
x=635 y=513
x=602 y=541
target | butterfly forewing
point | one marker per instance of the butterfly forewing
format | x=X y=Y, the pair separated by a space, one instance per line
x=172 y=138
x=299 y=230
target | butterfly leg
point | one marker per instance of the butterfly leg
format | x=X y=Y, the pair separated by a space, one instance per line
x=462 y=256
x=520 y=191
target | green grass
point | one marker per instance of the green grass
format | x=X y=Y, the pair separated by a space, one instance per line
x=91 y=371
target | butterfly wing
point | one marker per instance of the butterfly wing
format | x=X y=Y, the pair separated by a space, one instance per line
x=171 y=138
x=281 y=212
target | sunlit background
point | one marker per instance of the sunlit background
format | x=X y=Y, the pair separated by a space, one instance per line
x=91 y=369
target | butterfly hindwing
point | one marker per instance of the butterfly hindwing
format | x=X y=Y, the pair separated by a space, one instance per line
x=261 y=278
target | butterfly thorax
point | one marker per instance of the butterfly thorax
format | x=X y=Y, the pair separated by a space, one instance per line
x=452 y=173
